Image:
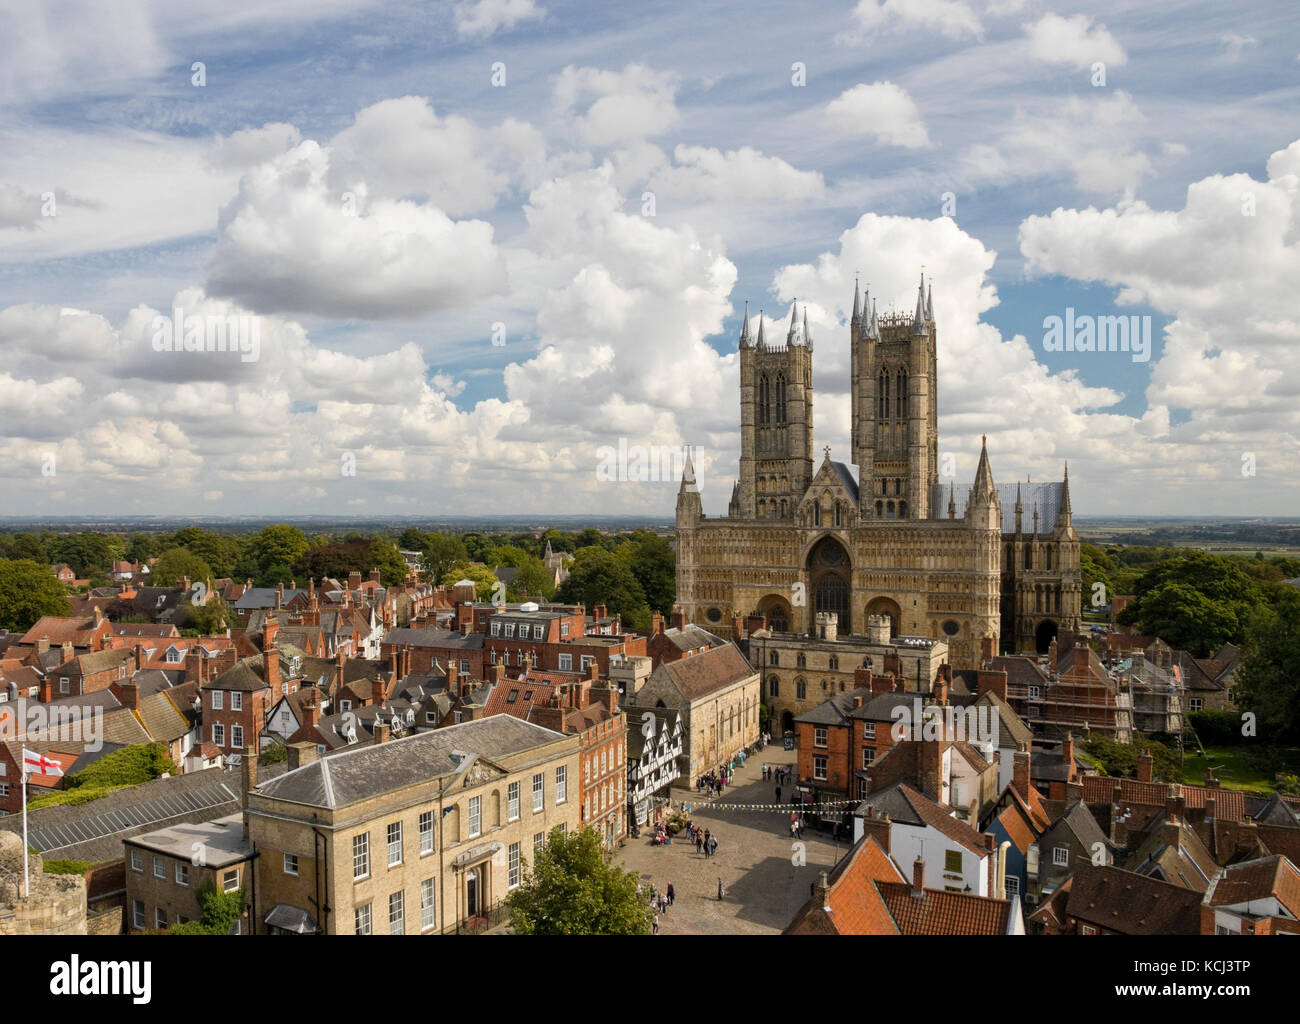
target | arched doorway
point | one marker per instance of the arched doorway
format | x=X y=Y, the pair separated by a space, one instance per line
x=830 y=570
x=787 y=721
x=777 y=612
x=1044 y=635
x=889 y=609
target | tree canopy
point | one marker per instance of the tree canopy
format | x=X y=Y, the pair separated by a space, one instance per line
x=571 y=890
x=28 y=590
x=600 y=576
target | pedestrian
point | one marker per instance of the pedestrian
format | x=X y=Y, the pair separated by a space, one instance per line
x=699 y=842
x=719 y=890
x=778 y=794
x=671 y=894
x=654 y=928
x=713 y=847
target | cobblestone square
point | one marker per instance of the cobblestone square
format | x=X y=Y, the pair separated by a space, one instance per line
x=762 y=887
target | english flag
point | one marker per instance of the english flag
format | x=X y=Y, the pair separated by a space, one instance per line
x=37 y=764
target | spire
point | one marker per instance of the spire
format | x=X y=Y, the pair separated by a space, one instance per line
x=873 y=331
x=762 y=342
x=794 y=319
x=1065 y=517
x=952 y=500
x=983 y=475
x=857 y=316
x=918 y=320
x=745 y=340
x=1020 y=509
x=929 y=302
x=688 y=475
x=807 y=334
x=1035 y=519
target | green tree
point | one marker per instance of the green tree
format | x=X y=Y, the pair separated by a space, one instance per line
x=28 y=590
x=385 y=557
x=654 y=564
x=279 y=545
x=484 y=580
x=571 y=890
x=177 y=563
x=599 y=576
x=440 y=553
x=1267 y=682
x=213 y=616
x=1196 y=601
x=412 y=539
x=218 y=912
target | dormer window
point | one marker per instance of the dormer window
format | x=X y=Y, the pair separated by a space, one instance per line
x=510 y=629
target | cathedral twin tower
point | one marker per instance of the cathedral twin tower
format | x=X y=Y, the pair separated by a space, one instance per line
x=893 y=540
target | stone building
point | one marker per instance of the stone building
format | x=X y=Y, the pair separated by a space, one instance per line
x=54 y=904
x=800 y=672
x=717 y=693
x=892 y=539
x=422 y=835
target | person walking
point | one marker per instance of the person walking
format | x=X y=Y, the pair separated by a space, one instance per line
x=778 y=794
x=719 y=890
x=699 y=841
x=713 y=847
x=654 y=927
x=672 y=896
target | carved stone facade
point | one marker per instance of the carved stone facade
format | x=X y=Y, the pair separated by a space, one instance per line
x=892 y=539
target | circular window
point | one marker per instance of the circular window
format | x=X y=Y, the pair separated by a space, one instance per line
x=951 y=627
x=714 y=614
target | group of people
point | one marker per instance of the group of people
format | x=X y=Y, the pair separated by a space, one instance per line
x=659 y=902
x=712 y=783
x=772 y=772
x=705 y=841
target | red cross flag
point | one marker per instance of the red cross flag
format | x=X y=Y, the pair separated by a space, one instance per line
x=37 y=764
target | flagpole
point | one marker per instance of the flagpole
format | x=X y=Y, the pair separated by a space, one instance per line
x=26 y=890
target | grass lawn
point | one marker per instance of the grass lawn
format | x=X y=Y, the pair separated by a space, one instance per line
x=1232 y=768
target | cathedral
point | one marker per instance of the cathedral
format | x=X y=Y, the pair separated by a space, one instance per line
x=802 y=538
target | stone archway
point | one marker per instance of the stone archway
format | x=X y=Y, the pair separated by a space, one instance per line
x=889 y=608
x=1045 y=634
x=830 y=572
x=778 y=613
x=787 y=722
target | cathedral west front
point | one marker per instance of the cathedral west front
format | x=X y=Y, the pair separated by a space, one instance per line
x=804 y=536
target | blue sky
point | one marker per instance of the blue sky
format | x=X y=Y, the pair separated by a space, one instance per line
x=523 y=205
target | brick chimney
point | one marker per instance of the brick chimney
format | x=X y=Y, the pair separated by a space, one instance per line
x=930 y=756
x=862 y=679
x=1145 y=766
x=941 y=691
x=279 y=596
x=986 y=648
x=656 y=624
x=918 y=878
x=606 y=694
x=1020 y=772
x=1210 y=781
x=822 y=891
x=1170 y=832
x=1052 y=654
x=374 y=576
x=755 y=622
x=43 y=644
x=1118 y=827
x=498 y=673
x=354 y=579
x=271 y=670
x=593 y=671
x=1175 y=804
x=310 y=708
x=383 y=731
x=301 y=754
x=678 y=619
x=378 y=692
x=549 y=715
x=1067 y=756
x=737 y=626
x=68 y=652
x=877 y=826
x=45 y=690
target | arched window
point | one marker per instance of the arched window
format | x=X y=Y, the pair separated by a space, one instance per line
x=882 y=388
x=780 y=398
x=782 y=508
x=902 y=510
x=1029 y=557
x=835 y=662
x=800 y=660
x=817 y=514
x=839 y=514
x=1047 y=553
x=902 y=394
x=773 y=686
x=764 y=401
x=879 y=509
x=773 y=658
x=889 y=510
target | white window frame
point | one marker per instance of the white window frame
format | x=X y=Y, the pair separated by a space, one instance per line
x=361 y=916
x=159 y=918
x=218 y=700
x=821 y=736
x=566 y=663
x=291 y=864
x=397 y=913
x=428 y=904
x=475 y=816
x=236 y=701
x=236 y=737
x=539 y=792
x=182 y=873
x=137 y=913
x=219 y=734
x=225 y=880
x=360 y=856
x=159 y=867
x=512 y=801
x=820 y=762
x=1061 y=856
x=137 y=861
x=561 y=783
x=515 y=867
x=394 y=843
x=426 y=833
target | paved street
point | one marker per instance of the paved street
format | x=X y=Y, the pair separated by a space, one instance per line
x=762 y=887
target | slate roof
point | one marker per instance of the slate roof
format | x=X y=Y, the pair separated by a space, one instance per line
x=835 y=709
x=434 y=638
x=1132 y=904
x=704 y=673
x=358 y=773
x=905 y=805
x=846 y=477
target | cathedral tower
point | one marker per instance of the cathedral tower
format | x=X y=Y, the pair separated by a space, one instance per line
x=895 y=428
x=776 y=415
